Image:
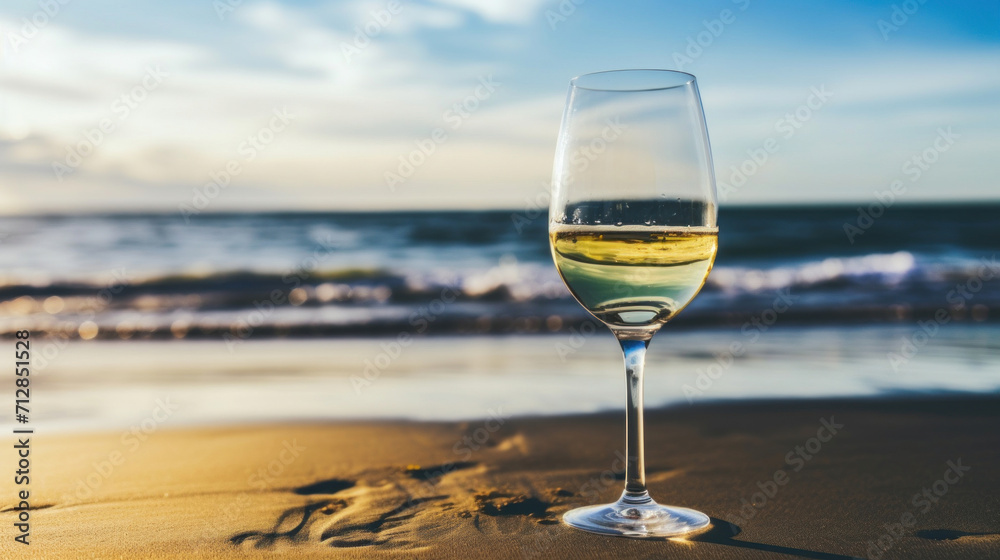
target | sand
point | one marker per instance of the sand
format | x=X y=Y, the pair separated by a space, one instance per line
x=496 y=487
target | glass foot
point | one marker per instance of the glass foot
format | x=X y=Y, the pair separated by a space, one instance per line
x=637 y=517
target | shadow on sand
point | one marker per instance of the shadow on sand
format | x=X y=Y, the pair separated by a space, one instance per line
x=722 y=532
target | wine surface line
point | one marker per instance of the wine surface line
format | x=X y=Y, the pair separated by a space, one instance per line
x=634 y=277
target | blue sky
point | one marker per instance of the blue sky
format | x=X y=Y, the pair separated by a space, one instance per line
x=281 y=105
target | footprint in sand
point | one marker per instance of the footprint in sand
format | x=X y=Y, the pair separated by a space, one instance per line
x=331 y=486
x=355 y=513
x=499 y=504
x=386 y=513
x=399 y=508
x=292 y=526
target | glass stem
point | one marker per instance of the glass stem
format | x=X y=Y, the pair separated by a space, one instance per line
x=635 y=467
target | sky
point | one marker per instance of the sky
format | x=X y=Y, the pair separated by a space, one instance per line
x=228 y=105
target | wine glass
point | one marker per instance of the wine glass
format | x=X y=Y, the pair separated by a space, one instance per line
x=633 y=231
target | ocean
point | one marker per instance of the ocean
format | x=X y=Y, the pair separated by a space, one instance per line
x=448 y=315
x=443 y=273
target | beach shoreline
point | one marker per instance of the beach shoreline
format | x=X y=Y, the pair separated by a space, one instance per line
x=79 y=389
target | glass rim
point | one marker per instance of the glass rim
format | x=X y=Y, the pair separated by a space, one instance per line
x=688 y=79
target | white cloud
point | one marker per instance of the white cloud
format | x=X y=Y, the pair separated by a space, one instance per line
x=355 y=118
x=500 y=11
x=416 y=16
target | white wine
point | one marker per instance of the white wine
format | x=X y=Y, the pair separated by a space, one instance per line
x=637 y=277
